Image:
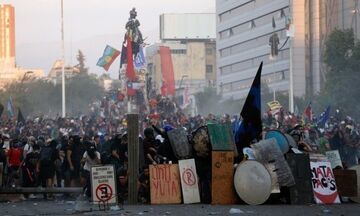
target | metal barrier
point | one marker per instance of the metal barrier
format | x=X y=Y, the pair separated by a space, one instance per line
x=39 y=190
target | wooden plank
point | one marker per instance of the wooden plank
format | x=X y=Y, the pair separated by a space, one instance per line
x=165 y=184
x=189 y=181
x=221 y=138
x=301 y=192
x=346 y=182
x=133 y=157
x=180 y=143
x=357 y=197
x=222 y=181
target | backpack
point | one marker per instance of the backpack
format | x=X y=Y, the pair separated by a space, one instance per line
x=46 y=155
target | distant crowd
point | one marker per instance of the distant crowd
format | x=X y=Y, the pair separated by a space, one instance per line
x=60 y=152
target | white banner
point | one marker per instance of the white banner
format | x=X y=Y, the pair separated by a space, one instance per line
x=323 y=183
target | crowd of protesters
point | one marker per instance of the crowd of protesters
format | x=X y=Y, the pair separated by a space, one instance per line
x=60 y=152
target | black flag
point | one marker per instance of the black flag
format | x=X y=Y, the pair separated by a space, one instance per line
x=251 y=125
x=20 y=118
x=123 y=56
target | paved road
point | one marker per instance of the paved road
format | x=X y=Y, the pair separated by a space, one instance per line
x=60 y=207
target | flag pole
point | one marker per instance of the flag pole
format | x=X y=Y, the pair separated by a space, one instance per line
x=63 y=61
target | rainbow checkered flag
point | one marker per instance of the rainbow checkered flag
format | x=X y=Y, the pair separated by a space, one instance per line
x=109 y=56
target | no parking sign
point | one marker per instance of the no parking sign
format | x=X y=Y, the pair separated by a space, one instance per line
x=103 y=187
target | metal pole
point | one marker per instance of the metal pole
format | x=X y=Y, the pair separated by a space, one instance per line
x=274 y=93
x=38 y=190
x=291 y=79
x=63 y=61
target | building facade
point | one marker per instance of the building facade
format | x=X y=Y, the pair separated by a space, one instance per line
x=7 y=36
x=244 y=28
x=9 y=72
x=191 y=39
x=194 y=63
x=55 y=74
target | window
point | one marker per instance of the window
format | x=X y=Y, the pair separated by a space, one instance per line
x=209 y=51
x=209 y=68
x=178 y=51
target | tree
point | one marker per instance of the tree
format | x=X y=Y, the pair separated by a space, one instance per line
x=36 y=97
x=81 y=65
x=342 y=56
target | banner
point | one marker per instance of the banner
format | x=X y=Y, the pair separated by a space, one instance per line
x=165 y=184
x=334 y=158
x=323 y=183
x=167 y=70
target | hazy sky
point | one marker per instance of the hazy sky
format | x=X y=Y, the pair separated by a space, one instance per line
x=38 y=22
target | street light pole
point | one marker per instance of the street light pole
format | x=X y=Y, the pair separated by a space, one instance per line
x=63 y=61
x=291 y=72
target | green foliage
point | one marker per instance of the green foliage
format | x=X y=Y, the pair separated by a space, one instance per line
x=36 y=97
x=81 y=65
x=342 y=86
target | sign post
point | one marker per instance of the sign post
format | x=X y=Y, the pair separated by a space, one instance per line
x=103 y=187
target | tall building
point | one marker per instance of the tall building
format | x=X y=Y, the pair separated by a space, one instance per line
x=244 y=28
x=191 y=39
x=9 y=72
x=7 y=35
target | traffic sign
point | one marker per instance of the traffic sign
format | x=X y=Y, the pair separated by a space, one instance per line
x=103 y=186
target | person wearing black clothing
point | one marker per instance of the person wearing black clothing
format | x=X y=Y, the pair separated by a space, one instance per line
x=144 y=186
x=29 y=167
x=74 y=153
x=46 y=164
x=150 y=144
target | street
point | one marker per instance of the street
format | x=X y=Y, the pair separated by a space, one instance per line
x=61 y=207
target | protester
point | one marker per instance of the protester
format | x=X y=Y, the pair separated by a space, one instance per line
x=46 y=165
x=90 y=158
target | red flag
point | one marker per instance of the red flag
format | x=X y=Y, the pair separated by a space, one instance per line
x=167 y=71
x=164 y=91
x=130 y=73
x=130 y=90
x=308 y=112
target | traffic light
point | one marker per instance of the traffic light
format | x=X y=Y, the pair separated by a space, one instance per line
x=274 y=44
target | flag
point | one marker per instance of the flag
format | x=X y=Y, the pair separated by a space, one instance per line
x=20 y=118
x=10 y=108
x=109 y=56
x=167 y=71
x=308 y=112
x=250 y=127
x=131 y=91
x=139 y=61
x=123 y=57
x=130 y=73
x=324 y=117
x=186 y=97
